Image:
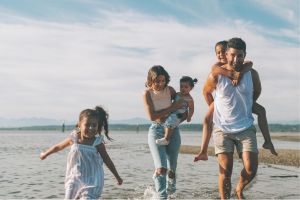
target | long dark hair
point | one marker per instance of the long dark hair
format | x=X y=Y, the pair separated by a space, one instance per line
x=102 y=117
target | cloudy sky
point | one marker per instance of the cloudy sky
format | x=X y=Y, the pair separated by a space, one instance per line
x=58 y=57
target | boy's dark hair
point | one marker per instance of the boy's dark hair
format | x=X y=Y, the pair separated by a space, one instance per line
x=154 y=72
x=102 y=117
x=222 y=43
x=237 y=43
x=188 y=80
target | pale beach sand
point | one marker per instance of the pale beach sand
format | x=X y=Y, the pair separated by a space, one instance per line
x=285 y=157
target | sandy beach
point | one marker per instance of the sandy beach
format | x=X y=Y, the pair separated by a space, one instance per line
x=25 y=176
x=292 y=138
x=285 y=157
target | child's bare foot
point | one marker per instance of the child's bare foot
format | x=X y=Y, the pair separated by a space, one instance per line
x=201 y=156
x=270 y=146
x=162 y=141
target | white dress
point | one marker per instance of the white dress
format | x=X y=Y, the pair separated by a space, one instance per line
x=84 y=174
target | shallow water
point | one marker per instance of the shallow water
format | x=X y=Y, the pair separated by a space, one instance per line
x=24 y=176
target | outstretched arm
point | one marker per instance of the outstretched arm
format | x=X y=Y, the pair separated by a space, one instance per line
x=58 y=147
x=108 y=162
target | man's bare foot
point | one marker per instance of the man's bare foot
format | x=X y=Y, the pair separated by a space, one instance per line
x=270 y=146
x=201 y=156
x=239 y=194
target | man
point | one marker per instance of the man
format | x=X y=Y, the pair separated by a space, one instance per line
x=233 y=121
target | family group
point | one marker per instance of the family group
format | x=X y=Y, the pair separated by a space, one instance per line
x=231 y=91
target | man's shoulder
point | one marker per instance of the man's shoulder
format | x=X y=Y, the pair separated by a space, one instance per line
x=254 y=72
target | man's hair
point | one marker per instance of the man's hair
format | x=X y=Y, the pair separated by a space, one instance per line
x=237 y=43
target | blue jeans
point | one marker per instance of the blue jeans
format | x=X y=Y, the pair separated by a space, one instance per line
x=164 y=156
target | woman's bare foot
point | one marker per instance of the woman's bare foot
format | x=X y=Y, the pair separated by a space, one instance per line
x=270 y=146
x=201 y=156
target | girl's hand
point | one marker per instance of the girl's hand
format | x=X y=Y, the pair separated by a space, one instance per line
x=237 y=75
x=42 y=156
x=120 y=181
x=235 y=82
x=188 y=119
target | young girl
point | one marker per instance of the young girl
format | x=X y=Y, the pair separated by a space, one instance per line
x=158 y=105
x=84 y=174
x=220 y=49
x=186 y=85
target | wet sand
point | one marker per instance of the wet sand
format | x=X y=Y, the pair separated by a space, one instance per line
x=285 y=157
x=291 y=138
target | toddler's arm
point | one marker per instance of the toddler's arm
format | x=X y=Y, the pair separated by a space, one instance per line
x=108 y=162
x=191 y=110
x=58 y=147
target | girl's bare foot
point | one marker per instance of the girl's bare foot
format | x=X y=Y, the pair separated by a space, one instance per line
x=270 y=146
x=201 y=156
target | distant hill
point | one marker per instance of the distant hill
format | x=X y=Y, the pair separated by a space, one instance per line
x=144 y=127
x=132 y=121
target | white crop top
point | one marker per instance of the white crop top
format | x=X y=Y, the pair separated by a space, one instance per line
x=161 y=99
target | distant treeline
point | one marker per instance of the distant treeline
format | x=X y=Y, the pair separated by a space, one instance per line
x=144 y=127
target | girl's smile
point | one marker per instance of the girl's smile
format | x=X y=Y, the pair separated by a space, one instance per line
x=88 y=127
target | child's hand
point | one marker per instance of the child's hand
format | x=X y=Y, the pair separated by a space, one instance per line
x=188 y=119
x=42 y=156
x=236 y=75
x=235 y=82
x=120 y=181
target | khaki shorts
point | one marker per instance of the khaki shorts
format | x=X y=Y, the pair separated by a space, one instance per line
x=244 y=141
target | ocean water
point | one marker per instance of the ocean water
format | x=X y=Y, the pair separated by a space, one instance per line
x=24 y=176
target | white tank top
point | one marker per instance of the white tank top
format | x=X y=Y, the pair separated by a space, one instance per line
x=161 y=99
x=233 y=104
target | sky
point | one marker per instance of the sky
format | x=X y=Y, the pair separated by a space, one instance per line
x=58 y=57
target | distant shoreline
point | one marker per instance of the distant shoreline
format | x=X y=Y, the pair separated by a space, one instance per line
x=145 y=127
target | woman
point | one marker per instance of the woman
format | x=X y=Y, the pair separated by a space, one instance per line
x=158 y=104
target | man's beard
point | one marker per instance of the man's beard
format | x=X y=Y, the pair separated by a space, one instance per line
x=237 y=67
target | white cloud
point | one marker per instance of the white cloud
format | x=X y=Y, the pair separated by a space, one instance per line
x=54 y=70
x=286 y=9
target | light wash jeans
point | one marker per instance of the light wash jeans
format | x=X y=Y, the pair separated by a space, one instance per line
x=164 y=156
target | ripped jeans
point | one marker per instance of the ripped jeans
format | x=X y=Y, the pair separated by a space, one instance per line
x=164 y=156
